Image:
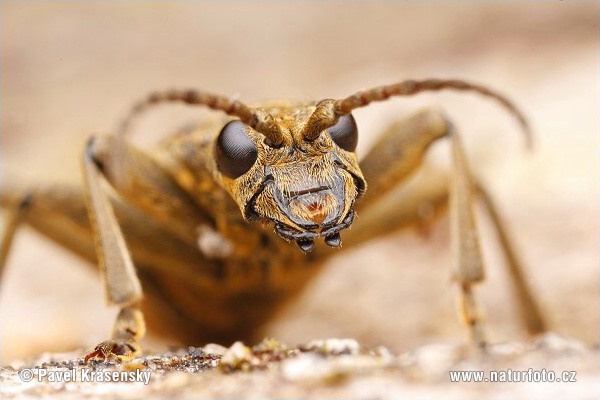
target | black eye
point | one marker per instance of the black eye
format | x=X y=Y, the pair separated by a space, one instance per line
x=235 y=152
x=345 y=133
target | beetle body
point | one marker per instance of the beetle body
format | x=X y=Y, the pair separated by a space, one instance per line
x=206 y=222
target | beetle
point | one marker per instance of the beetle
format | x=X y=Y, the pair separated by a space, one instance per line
x=206 y=221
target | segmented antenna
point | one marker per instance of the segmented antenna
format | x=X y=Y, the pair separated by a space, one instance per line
x=257 y=119
x=328 y=111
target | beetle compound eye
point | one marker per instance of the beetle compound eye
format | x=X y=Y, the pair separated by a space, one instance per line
x=345 y=133
x=235 y=152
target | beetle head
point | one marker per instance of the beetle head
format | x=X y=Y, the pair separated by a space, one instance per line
x=305 y=186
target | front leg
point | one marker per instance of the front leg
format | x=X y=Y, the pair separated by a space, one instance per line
x=142 y=181
x=467 y=268
x=122 y=285
x=399 y=153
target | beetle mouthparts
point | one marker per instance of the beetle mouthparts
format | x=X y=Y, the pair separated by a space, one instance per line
x=306 y=239
x=306 y=245
x=334 y=240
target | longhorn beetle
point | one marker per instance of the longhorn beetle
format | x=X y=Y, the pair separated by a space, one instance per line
x=205 y=222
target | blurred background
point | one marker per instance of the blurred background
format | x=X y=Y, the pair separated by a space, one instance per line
x=72 y=69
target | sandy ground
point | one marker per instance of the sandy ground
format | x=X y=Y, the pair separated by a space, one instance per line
x=70 y=69
x=550 y=367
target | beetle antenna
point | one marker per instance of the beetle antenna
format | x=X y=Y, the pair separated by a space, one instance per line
x=257 y=119
x=328 y=112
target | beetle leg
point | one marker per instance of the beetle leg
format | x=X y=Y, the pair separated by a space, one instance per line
x=530 y=312
x=122 y=285
x=399 y=153
x=414 y=204
x=467 y=268
x=59 y=212
x=16 y=216
x=146 y=184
